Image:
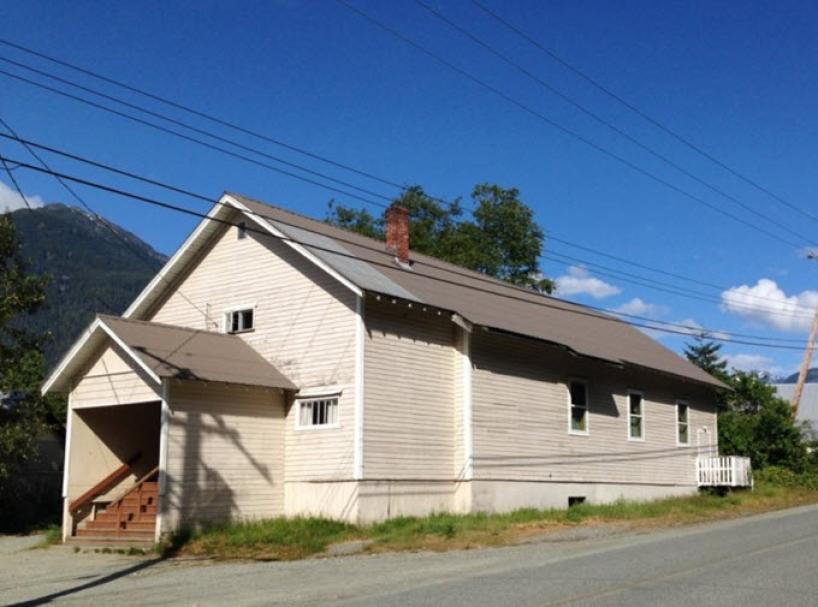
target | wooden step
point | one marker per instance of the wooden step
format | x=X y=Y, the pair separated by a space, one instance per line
x=124 y=525
x=111 y=517
x=136 y=534
x=116 y=542
x=133 y=500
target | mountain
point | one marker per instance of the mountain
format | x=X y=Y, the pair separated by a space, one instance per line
x=812 y=376
x=95 y=266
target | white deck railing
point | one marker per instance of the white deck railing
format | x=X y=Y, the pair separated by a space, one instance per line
x=724 y=471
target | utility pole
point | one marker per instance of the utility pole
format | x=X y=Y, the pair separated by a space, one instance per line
x=802 y=372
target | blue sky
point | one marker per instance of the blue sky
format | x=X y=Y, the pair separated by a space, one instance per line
x=736 y=78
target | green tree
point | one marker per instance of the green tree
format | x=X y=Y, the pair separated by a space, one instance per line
x=23 y=412
x=502 y=240
x=758 y=424
x=706 y=354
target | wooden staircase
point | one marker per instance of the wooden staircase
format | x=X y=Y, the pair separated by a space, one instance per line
x=129 y=520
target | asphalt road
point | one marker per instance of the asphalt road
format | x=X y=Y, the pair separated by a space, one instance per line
x=765 y=560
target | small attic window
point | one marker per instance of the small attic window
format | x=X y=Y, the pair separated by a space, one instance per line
x=239 y=321
x=242 y=230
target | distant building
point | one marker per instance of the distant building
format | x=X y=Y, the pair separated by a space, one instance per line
x=808 y=408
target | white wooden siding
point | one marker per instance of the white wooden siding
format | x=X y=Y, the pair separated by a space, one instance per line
x=304 y=325
x=225 y=453
x=520 y=400
x=409 y=386
x=459 y=453
x=112 y=378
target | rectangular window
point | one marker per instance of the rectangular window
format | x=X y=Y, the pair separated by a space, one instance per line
x=316 y=412
x=242 y=230
x=239 y=321
x=636 y=416
x=579 y=407
x=682 y=423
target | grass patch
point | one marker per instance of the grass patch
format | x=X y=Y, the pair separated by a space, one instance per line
x=51 y=535
x=287 y=539
x=271 y=539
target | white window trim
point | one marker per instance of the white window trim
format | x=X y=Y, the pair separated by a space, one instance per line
x=678 y=442
x=638 y=439
x=587 y=431
x=317 y=396
x=226 y=312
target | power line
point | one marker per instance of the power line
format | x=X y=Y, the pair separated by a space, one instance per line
x=204 y=198
x=582 y=310
x=207 y=116
x=201 y=114
x=197 y=130
x=16 y=185
x=588 y=112
x=128 y=245
x=661 y=286
x=571 y=133
x=658 y=286
x=161 y=128
x=641 y=113
x=720 y=288
x=173 y=103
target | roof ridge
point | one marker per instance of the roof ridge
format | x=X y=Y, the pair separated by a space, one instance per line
x=477 y=274
x=304 y=217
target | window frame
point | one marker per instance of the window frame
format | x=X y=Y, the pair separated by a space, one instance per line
x=571 y=430
x=686 y=405
x=227 y=315
x=311 y=397
x=641 y=415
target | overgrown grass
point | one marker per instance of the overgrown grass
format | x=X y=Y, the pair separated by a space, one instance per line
x=273 y=539
x=286 y=539
x=51 y=535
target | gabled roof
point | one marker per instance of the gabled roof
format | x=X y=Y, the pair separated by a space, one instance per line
x=170 y=352
x=363 y=264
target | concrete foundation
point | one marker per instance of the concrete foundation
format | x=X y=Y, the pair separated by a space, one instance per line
x=373 y=501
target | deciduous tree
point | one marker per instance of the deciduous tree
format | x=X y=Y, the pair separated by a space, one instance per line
x=502 y=239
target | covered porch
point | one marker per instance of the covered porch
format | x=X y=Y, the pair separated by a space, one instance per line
x=154 y=414
x=113 y=472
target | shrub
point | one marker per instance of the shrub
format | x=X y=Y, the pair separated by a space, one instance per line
x=777 y=476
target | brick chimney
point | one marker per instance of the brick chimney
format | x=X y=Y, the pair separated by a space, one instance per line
x=397 y=232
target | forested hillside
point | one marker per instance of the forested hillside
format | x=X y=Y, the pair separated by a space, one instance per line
x=92 y=269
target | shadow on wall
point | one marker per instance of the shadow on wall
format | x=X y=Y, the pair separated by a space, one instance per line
x=198 y=492
x=127 y=430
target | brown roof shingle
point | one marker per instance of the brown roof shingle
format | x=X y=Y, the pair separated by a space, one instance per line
x=182 y=353
x=478 y=298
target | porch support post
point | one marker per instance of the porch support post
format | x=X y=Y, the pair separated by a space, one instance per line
x=163 y=456
x=67 y=523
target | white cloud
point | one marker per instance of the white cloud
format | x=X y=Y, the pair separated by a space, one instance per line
x=755 y=362
x=639 y=307
x=10 y=200
x=766 y=304
x=579 y=282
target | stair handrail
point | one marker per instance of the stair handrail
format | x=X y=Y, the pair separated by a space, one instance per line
x=137 y=486
x=105 y=485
